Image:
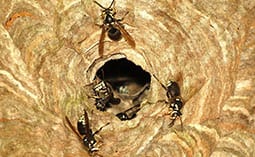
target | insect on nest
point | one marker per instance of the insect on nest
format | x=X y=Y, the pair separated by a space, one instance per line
x=113 y=26
x=174 y=100
x=84 y=132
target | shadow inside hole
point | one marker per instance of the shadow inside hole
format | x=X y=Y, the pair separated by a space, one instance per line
x=128 y=81
x=125 y=77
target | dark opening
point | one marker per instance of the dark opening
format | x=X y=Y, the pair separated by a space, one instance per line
x=130 y=84
x=125 y=77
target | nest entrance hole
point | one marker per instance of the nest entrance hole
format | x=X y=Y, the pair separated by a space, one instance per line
x=125 y=77
x=128 y=81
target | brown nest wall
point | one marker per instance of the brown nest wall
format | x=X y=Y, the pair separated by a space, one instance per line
x=49 y=53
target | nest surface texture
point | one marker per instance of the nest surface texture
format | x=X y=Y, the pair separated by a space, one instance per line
x=49 y=54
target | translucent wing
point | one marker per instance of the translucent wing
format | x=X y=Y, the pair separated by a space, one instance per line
x=72 y=127
x=101 y=42
x=87 y=120
x=125 y=34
